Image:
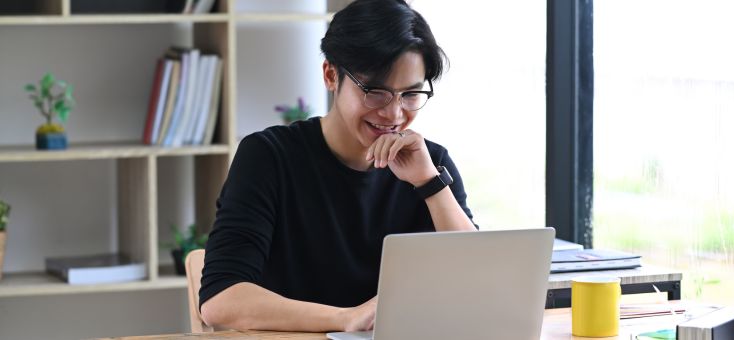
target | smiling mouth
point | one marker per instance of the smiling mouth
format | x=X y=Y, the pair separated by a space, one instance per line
x=384 y=128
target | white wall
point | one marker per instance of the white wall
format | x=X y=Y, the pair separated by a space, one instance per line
x=84 y=316
x=277 y=63
x=69 y=208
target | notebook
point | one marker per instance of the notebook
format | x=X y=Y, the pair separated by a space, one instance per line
x=592 y=259
x=461 y=285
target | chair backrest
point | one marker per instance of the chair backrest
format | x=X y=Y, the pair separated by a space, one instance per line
x=194 y=265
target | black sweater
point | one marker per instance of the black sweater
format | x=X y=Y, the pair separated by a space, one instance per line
x=295 y=220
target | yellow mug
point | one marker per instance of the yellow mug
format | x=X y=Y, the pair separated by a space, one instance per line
x=595 y=306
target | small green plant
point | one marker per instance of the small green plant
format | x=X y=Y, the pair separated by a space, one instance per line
x=187 y=240
x=52 y=97
x=4 y=214
x=292 y=114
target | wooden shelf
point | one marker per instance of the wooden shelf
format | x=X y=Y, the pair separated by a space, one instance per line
x=93 y=151
x=40 y=283
x=96 y=19
x=281 y=17
x=111 y=19
x=644 y=274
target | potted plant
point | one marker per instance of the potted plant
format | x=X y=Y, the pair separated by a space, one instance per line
x=292 y=114
x=53 y=98
x=4 y=216
x=184 y=242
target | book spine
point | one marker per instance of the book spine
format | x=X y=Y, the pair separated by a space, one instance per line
x=190 y=94
x=214 y=104
x=161 y=105
x=152 y=102
x=199 y=98
x=180 y=98
x=170 y=101
x=203 y=113
x=594 y=265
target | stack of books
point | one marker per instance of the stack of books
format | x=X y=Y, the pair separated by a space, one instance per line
x=95 y=269
x=572 y=257
x=184 y=100
x=592 y=259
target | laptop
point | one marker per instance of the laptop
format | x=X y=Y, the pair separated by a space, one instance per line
x=461 y=285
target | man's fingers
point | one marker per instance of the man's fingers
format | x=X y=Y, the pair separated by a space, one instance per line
x=385 y=151
x=370 y=152
x=377 y=150
x=395 y=148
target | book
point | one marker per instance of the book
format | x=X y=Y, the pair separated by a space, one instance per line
x=188 y=105
x=214 y=104
x=642 y=310
x=188 y=7
x=161 y=105
x=203 y=6
x=180 y=99
x=562 y=245
x=153 y=101
x=592 y=259
x=204 y=110
x=716 y=325
x=199 y=96
x=170 y=101
x=95 y=269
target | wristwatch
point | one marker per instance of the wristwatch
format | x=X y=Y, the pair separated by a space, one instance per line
x=436 y=184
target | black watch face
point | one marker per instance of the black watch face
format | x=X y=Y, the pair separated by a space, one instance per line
x=445 y=175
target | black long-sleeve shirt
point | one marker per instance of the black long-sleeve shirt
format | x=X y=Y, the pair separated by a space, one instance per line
x=295 y=220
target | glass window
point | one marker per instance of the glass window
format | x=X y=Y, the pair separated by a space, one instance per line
x=489 y=108
x=664 y=138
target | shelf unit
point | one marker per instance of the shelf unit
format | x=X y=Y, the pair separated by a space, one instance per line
x=137 y=163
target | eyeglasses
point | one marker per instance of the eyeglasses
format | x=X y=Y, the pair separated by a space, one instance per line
x=377 y=98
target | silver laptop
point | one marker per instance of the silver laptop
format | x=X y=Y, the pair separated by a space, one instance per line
x=461 y=286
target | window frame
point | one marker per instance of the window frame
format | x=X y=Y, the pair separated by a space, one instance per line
x=569 y=120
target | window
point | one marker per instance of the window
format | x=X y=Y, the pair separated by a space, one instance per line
x=489 y=108
x=664 y=138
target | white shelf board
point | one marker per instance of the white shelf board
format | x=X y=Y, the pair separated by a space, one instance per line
x=76 y=19
x=91 y=151
x=40 y=283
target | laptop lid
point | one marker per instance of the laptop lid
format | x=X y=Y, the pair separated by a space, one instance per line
x=464 y=285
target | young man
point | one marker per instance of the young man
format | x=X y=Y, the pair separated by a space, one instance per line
x=298 y=234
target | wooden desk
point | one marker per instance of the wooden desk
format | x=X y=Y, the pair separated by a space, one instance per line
x=556 y=325
x=634 y=281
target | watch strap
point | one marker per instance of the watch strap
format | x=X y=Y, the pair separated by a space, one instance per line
x=436 y=184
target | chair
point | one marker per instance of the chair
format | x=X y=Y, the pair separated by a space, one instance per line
x=194 y=265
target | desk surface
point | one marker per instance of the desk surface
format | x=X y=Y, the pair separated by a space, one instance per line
x=644 y=274
x=556 y=325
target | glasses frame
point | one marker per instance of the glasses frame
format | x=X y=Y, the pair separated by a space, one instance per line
x=366 y=89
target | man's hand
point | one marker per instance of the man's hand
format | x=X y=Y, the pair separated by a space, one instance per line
x=360 y=318
x=406 y=154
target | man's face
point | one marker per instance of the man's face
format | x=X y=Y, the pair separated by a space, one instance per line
x=366 y=124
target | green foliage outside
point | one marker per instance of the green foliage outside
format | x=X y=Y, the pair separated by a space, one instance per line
x=669 y=229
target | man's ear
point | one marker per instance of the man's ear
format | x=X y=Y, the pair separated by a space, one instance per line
x=331 y=76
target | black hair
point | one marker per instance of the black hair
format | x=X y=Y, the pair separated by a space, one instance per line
x=367 y=37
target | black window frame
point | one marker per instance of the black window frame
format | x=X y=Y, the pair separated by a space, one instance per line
x=569 y=120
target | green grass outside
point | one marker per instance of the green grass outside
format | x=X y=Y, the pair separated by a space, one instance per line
x=688 y=234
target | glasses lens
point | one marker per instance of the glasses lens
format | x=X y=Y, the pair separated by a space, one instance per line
x=377 y=98
x=413 y=101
